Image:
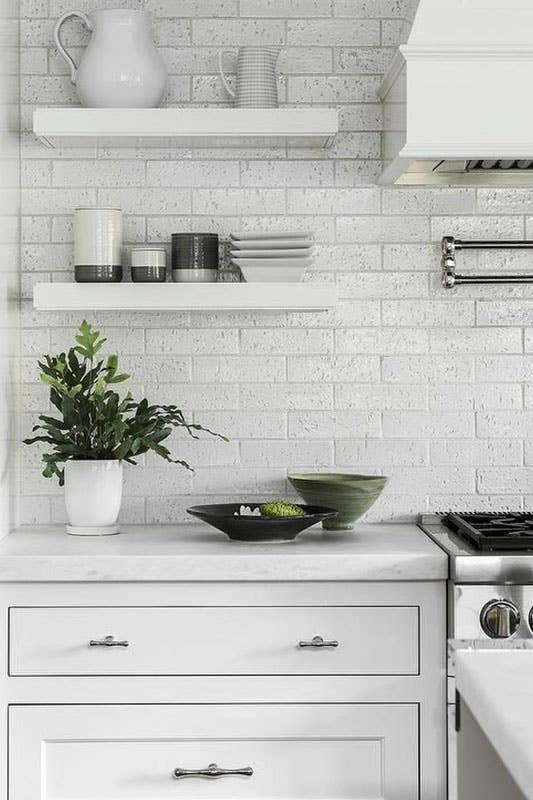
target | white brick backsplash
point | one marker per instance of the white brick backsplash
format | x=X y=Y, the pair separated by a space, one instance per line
x=505 y=312
x=98 y=173
x=355 y=173
x=333 y=89
x=416 y=424
x=504 y=424
x=481 y=397
x=238 y=369
x=476 y=227
x=129 y=341
x=427 y=368
x=286 y=173
x=170 y=479
x=239 y=32
x=475 y=502
x=192 y=173
x=234 y=202
x=249 y=480
x=185 y=342
x=156 y=369
x=172 y=32
x=381 y=341
x=385 y=284
x=333 y=201
x=334 y=32
x=286 y=342
x=333 y=425
x=348 y=257
x=285 y=8
x=195 y=397
x=433 y=479
x=362 y=60
x=476 y=452
x=491 y=340
x=192 y=8
x=380 y=453
x=505 y=480
x=410 y=257
x=312 y=369
x=373 y=8
x=302 y=60
x=287 y=454
x=428 y=201
x=56 y=201
x=246 y=424
x=382 y=397
x=286 y=396
x=35 y=229
x=429 y=313
x=506 y=368
x=433 y=388
x=147 y=200
x=504 y=201
x=382 y=229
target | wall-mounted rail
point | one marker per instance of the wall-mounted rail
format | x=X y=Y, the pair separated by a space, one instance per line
x=451 y=246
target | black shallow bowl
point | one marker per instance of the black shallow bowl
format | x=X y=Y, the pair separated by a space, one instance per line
x=258 y=529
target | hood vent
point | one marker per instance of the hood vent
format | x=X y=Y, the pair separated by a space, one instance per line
x=500 y=163
x=456 y=107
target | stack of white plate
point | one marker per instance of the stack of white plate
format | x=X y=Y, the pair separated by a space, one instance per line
x=272 y=257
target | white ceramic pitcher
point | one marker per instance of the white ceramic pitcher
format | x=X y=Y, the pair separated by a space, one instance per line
x=121 y=66
x=257 y=85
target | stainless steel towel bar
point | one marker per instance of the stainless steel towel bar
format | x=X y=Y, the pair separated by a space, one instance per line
x=450 y=246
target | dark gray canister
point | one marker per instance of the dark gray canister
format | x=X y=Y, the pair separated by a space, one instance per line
x=194 y=251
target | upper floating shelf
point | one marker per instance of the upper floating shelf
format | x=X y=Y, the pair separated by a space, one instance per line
x=183 y=297
x=186 y=127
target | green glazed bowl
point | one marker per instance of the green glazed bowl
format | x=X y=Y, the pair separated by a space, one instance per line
x=350 y=495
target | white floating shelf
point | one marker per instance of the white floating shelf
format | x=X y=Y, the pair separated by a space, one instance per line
x=186 y=127
x=183 y=297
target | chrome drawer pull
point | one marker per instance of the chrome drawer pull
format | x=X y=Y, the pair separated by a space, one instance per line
x=109 y=641
x=318 y=641
x=212 y=771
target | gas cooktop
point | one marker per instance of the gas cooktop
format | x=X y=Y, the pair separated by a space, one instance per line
x=484 y=547
x=489 y=532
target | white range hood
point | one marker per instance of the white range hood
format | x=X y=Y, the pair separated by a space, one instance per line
x=458 y=97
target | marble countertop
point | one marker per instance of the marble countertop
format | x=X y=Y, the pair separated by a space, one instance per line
x=193 y=552
x=497 y=686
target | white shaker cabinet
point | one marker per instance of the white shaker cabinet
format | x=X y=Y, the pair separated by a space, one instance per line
x=117 y=685
x=284 y=752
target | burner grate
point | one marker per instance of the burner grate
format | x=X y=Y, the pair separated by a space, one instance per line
x=491 y=532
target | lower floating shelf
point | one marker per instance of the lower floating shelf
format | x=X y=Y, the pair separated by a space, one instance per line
x=184 y=297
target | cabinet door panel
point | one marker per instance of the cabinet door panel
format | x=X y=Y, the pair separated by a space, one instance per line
x=237 y=640
x=296 y=752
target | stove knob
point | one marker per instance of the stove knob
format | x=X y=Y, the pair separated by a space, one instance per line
x=500 y=619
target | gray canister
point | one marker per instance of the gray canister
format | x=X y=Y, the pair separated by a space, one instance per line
x=195 y=257
x=98 y=245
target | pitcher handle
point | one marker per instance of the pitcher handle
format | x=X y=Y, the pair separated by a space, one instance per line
x=59 y=44
x=223 y=78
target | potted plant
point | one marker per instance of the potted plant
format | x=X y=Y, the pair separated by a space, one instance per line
x=96 y=431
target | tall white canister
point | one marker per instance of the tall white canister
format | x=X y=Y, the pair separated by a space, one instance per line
x=98 y=245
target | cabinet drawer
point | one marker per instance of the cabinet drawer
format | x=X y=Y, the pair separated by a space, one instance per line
x=352 y=752
x=232 y=640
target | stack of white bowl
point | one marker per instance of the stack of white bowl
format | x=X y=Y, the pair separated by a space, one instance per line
x=272 y=257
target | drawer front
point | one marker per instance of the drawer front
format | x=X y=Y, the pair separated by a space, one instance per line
x=232 y=640
x=351 y=752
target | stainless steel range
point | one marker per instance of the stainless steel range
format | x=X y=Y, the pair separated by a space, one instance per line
x=490 y=592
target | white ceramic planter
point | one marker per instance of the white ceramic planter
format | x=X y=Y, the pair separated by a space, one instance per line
x=93 y=496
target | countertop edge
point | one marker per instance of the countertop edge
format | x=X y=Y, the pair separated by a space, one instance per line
x=494 y=715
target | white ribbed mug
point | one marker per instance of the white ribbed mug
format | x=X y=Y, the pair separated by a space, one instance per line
x=256 y=77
